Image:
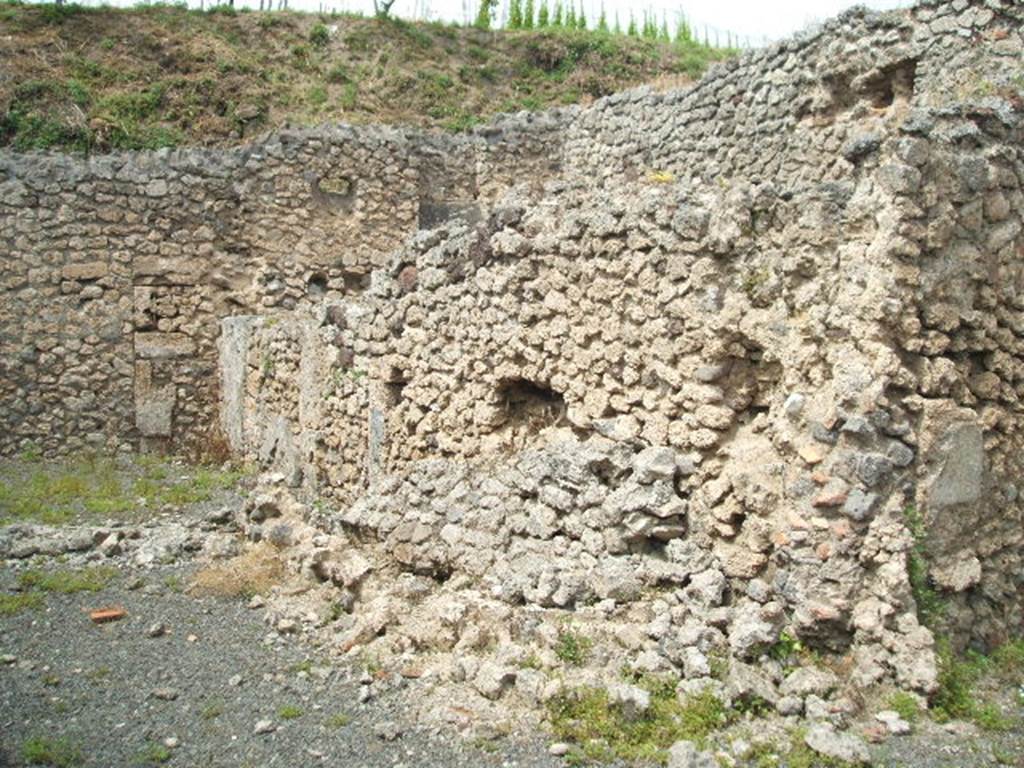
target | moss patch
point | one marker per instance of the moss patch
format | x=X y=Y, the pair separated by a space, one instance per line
x=67 y=582
x=11 y=605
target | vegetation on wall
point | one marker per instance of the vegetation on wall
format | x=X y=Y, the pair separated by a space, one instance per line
x=99 y=79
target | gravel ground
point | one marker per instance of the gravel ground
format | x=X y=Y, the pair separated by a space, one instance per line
x=954 y=746
x=117 y=694
x=193 y=693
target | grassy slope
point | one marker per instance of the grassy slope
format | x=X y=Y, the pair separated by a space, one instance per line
x=99 y=79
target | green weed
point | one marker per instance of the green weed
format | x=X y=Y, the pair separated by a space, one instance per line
x=349 y=96
x=573 y=647
x=67 y=582
x=339 y=720
x=800 y=755
x=957 y=696
x=289 y=712
x=586 y=718
x=1008 y=661
x=11 y=605
x=930 y=605
x=153 y=753
x=904 y=705
x=319 y=36
x=212 y=711
x=531 y=662
x=57 y=753
x=317 y=95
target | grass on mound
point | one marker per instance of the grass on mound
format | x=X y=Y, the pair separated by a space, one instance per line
x=99 y=79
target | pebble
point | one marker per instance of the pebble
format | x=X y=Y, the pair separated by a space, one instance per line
x=8 y=659
x=192 y=638
x=264 y=726
x=257 y=602
x=559 y=749
x=235 y=680
x=165 y=694
x=895 y=724
x=387 y=731
x=157 y=630
x=171 y=742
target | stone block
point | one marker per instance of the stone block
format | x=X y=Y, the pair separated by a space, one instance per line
x=154 y=411
x=163 y=346
x=92 y=270
x=154 y=270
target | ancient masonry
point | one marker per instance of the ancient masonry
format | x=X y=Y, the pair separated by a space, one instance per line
x=685 y=364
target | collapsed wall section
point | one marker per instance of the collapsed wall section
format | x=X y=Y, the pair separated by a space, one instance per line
x=740 y=392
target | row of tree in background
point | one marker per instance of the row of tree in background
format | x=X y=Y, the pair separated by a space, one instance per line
x=528 y=14
x=538 y=14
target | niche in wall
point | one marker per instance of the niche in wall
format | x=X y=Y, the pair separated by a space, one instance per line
x=333 y=192
x=529 y=406
x=887 y=84
x=434 y=213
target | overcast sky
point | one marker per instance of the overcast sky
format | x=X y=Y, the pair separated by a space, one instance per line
x=756 y=19
x=752 y=20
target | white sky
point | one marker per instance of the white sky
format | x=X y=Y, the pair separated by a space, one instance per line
x=754 y=19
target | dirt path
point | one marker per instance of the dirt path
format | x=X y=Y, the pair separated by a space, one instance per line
x=116 y=696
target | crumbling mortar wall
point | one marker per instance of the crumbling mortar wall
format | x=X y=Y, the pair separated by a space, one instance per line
x=739 y=387
x=710 y=345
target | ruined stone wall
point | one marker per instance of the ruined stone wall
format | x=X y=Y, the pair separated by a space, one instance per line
x=741 y=388
x=793 y=113
x=723 y=344
x=117 y=269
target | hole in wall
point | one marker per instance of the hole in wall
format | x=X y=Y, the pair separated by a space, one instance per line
x=356 y=281
x=434 y=213
x=881 y=88
x=316 y=285
x=528 y=404
x=341 y=186
x=394 y=388
x=890 y=83
x=608 y=474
